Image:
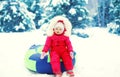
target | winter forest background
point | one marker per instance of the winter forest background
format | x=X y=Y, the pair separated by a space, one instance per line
x=28 y=15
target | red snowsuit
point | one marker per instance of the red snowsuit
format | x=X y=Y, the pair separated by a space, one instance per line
x=60 y=48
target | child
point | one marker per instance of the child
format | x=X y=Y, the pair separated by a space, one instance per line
x=59 y=45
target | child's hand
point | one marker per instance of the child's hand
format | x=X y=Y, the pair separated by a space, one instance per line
x=43 y=54
x=72 y=55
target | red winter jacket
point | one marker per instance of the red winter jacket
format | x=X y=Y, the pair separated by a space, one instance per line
x=57 y=42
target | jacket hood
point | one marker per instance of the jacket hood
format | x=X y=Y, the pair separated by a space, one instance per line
x=67 y=25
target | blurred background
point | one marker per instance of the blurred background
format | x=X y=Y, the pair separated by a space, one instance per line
x=28 y=15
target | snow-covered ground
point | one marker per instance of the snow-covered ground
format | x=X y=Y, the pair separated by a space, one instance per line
x=97 y=56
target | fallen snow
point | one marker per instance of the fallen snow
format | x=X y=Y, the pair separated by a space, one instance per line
x=97 y=56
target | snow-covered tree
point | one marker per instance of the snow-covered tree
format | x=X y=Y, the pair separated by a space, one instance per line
x=114 y=25
x=34 y=6
x=104 y=15
x=14 y=17
x=74 y=10
x=24 y=15
x=116 y=11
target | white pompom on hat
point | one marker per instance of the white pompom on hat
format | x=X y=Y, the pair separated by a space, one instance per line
x=62 y=19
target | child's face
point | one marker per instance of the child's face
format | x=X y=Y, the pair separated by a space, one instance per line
x=58 y=30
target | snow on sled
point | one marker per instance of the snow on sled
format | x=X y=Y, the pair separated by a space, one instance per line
x=35 y=64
